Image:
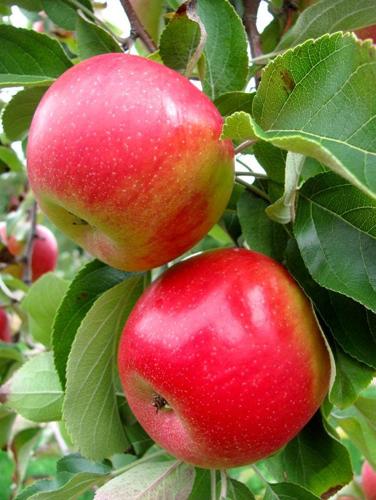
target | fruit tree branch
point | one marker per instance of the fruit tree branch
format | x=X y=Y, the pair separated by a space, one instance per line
x=249 y=20
x=27 y=257
x=136 y=26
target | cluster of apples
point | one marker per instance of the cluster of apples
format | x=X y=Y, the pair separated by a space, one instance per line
x=221 y=360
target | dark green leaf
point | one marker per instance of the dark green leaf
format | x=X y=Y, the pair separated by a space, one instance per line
x=234 y=101
x=313 y=459
x=352 y=326
x=63 y=13
x=19 y=112
x=260 y=233
x=335 y=229
x=92 y=280
x=33 y=5
x=351 y=378
x=327 y=17
x=238 y=491
x=92 y=374
x=201 y=486
x=225 y=49
x=29 y=58
x=6 y=422
x=93 y=40
x=287 y=491
x=181 y=44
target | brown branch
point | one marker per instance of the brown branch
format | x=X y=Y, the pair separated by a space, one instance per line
x=249 y=21
x=244 y=145
x=137 y=29
x=27 y=256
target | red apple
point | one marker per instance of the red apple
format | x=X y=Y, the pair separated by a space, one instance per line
x=44 y=253
x=222 y=361
x=369 y=481
x=368 y=32
x=124 y=156
x=5 y=334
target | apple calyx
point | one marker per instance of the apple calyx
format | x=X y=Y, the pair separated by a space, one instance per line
x=160 y=402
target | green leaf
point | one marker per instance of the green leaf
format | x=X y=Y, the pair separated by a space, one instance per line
x=7 y=419
x=90 y=401
x=91 y=281
x=283 y=210
x=75 y=475
x=151 y=480
x=225 y=50
x=342 y=141
x=19 y=112
x=239 y=126
x=335 y=229
x=149 y=14
x=181 y=43
x=328 y=17
x=93 y=40
x=6 y=475
x=287 y=491
x=313 y=459
x=351 y=378
x=9 y=157
x=260 y=233
x=33 y=5
x=63 y=13
x=358 y=421
x=201 y=486
x=352 y=326
x=29 y=58
x=238 y=491
x=231 y=102
x=35 y=391
x=22 y=446
x=41 y=303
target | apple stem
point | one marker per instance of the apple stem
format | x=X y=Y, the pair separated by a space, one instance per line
x=223 y=493
x=213 y=484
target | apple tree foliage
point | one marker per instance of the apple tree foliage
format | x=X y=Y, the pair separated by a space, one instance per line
x=298 y=99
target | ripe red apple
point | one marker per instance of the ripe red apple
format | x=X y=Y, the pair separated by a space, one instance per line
x=44 y=253
x=5 y=334
x=222 y=361
x=124 y=156
x=369 y=481
x=368 y=32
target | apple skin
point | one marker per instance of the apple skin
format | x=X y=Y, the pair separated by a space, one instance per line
x=44 y=253
x=368 y=481
x=124 y=156
x=229 y=340
x=5 y=333
x=368 y=32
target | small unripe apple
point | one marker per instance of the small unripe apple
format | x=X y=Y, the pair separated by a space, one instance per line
x=43 y=256
x=222 y=360
x=369 y=481
x=124 y=156
x=5 y=334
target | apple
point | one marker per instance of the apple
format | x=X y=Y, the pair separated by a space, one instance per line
x=5 y=334
x=44 y=253
x=369 y=481
x=222 y=360
x=124 y=155
x=368 y=32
